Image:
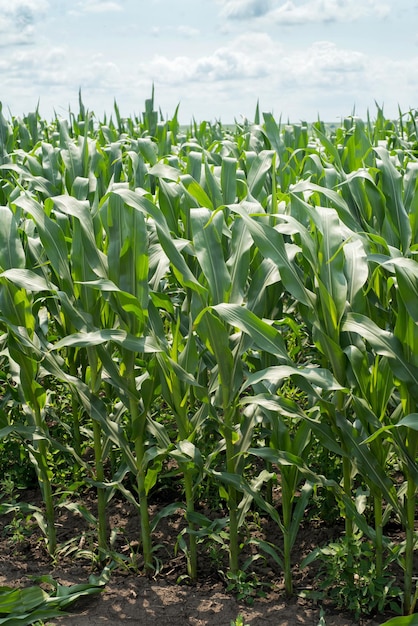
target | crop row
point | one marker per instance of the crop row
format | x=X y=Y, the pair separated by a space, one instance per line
x=220 y=301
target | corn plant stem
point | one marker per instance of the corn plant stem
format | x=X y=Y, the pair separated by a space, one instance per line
x=183 y=426
x=287 y=547
x=138 y=421
x=75 y=411
x=232 y=493
x=98 y=459
x=409 y=545
x=347 y=491
x=45 y=484
x=378 y=526
x=410 y=507
x=410 y=596
x=181 y=418
x=101 y=494
x=269 y=483
x=347 y=468
x=142 y=492
x=192 y=556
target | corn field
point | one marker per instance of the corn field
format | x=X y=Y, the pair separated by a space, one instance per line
x=214 y=307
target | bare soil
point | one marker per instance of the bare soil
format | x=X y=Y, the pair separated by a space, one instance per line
x=163 y=600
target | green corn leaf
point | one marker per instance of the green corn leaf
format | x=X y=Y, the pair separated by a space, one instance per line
x=128 y=306
x=273 y=133
x=169 y=199
x=71 y=154
x=371 y=470
x=127 y=248
x=198 y=193
x=272 y=246
x=21 y=600
x=148 y=149
x=306 y=187
x=331 y=270
x=240 y=485
x=50 y=166
x=262 y=333
x=356 y=269
x=180 y=267
x=194 y=167
x=229 y=179
x=331 y=149
x=12 y=254
x=410 y=421
x=28 y=280
x=383 y=342
x=307 y=377
x=265 y=275
x=257 y=174
x=216 y=338
x=82 y=212
x=406 y=620
x=207 y=241
x=168 y=172
x=238 y=261
x=213 y=187
x=406 y=271
x=53 y=240
x=392 y=188
x=98 y=337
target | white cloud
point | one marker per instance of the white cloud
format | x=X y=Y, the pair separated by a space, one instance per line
x=297 y=80
x=17 y=20
x=329 y=11
x=244 y=9
x=101 y=7
x=310 y=11
x=234 y=62
x=322 y=77
x=96 y=6
x=30 y=6
x=255 y=56
x=182 y=31
x=323 y=64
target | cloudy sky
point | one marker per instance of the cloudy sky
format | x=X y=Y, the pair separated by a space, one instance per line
x=299 y=58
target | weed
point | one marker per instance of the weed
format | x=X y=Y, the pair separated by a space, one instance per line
x=239 y=621
x=245 y=586
x=347 y=576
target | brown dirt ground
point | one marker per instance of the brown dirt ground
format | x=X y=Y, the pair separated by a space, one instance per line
x=131 y=597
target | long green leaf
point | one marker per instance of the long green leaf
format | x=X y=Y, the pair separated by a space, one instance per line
x=383 y=342
x=12 y=254
x=207 y=241
x=264 y=335
x=271 y=245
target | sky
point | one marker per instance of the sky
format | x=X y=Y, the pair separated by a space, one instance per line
x=300 y=59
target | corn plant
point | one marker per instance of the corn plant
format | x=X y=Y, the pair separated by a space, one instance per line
x=179 y=374
x=400 y=348
x=20 y=319
x=144 y=265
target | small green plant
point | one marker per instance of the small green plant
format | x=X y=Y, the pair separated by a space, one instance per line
x=21 y=524
x=347 y=576
x=8 y=488
x=245 y=586
x=19 y=528
x=321 y=621
x=15 y=465
x=239 y=621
